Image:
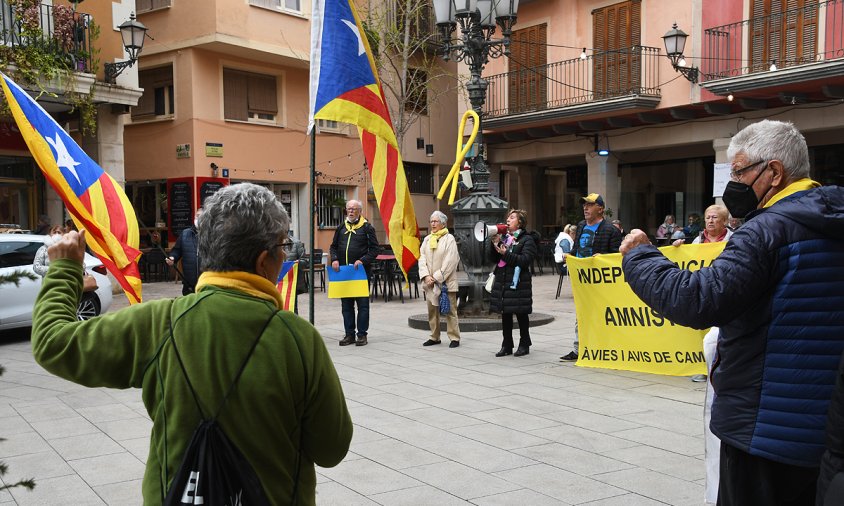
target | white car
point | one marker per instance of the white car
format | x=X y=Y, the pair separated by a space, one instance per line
x=17 y=252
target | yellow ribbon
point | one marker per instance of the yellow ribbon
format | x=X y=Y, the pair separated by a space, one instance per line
x=460 y=155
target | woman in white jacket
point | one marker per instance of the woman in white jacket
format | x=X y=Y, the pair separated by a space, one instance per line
x=438 y=261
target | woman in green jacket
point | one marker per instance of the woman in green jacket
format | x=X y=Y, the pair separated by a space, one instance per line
x=287 y=411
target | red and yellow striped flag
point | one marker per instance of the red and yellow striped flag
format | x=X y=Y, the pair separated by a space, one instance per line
x=94 y=199
x=345 y=87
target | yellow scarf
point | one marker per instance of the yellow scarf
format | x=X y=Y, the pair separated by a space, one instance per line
x=246 y=282
x=435 y=237
x=350 y=228
x=799 y=185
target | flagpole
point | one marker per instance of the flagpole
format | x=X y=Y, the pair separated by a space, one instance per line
x=312 y=209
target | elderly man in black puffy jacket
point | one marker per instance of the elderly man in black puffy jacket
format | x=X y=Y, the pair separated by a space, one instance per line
x=776 y=292
x=355 y=243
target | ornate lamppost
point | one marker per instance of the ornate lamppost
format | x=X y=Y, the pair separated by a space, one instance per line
x=475 y=46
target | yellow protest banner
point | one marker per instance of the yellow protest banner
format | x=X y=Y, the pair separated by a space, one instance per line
x=619 y=331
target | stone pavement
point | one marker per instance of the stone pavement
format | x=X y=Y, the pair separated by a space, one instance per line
x=433 y=425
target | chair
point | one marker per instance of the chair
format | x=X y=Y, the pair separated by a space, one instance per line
x=376 y=279
x=319 y=268
x=413 y=281
x=563 y=271
x=155 y=268
x=394 y=279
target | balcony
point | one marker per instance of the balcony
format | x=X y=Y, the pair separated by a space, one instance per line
x=57 y=31
x=805 y=44
x=611 y=81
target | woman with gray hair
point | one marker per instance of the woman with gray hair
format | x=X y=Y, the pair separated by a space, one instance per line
x=438 y=259
x=286 y=412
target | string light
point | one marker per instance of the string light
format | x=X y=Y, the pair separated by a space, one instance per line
x=583 y=54
x=773 y=67
x=730 y=97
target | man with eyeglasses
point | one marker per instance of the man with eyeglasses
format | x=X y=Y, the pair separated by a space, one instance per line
x=355 y=243
x=776 y=292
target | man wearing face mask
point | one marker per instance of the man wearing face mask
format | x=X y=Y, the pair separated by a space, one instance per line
x=775 y=292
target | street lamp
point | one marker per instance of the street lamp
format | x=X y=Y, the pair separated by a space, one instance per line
x=475 y=46
x=675 y=43
x=133 y=33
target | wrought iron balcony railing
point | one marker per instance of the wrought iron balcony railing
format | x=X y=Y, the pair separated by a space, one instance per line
x=632 y=71
x=810 y=34
x=60 y=32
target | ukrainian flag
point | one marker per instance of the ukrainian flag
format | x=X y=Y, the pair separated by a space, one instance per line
x=348 y=282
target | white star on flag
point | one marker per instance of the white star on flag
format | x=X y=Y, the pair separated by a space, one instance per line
x=354 y=28
x=63 y=158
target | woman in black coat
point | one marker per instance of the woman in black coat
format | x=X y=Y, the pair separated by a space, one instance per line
x=514 y=253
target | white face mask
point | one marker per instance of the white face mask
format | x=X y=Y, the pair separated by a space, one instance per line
x=56 y=237
x=195 y=222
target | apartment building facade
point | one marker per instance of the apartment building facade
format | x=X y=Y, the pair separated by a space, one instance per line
x=586 y=75
x=225 y=100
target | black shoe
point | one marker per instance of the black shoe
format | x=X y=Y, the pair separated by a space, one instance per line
x=521 y=351
x=361 y=341
x=430 y=342
x=503 y=352
x=347 y=341
x=571 y=357
x=454 y=344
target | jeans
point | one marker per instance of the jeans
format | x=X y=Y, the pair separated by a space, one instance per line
x=348 y=305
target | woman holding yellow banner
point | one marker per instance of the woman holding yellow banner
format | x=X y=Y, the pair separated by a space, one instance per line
x=512 y=293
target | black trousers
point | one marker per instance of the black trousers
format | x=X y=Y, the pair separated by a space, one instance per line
x=507 y=328
x=748 y=480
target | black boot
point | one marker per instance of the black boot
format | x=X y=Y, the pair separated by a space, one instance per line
x=503 y=352
x=521 y=351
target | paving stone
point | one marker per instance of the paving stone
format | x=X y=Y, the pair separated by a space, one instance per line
x=108 y=469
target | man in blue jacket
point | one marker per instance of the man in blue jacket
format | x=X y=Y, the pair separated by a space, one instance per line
x=187 y=250
x=355 y=243
x=776 y=292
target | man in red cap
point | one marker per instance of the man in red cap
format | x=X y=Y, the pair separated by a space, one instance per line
x=595 y=236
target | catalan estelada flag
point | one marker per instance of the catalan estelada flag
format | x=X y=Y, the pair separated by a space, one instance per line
x=347 y=282
x=94 y=199
x=287 y=284
x=345 y=87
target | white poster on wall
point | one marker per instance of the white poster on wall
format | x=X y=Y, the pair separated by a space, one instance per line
x=720 y=177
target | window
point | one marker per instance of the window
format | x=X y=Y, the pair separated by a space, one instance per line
x=420 y=16
x=416 y=91
x=249 y=96
x=420 y=177
x=17 y=254
x=616 y=67
x=527 y=82
x=158 y=98
x=783 y=30
x=327 y=125
x=290 y=5
x=150 y=5
x=330 y=206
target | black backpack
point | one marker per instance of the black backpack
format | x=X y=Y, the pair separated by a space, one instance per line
x=213 y=471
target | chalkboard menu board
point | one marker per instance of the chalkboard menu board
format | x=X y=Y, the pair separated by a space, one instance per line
x=208 y=188
x=180 y=205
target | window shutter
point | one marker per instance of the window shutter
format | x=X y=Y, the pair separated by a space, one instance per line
x=783 y=30
x=261 y=92
x=616 y=37
x=143 y=5
x=235 y=86
x=157 y=4
x=527 y=73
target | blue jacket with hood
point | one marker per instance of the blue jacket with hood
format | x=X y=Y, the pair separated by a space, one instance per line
x=777 y=294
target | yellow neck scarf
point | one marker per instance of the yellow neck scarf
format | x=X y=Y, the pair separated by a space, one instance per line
x=435 y=237
x=350 y=228
x=799 y=185
x=246 y=282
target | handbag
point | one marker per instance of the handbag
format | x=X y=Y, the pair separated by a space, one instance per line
x=445 y=303
x=489 y=281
